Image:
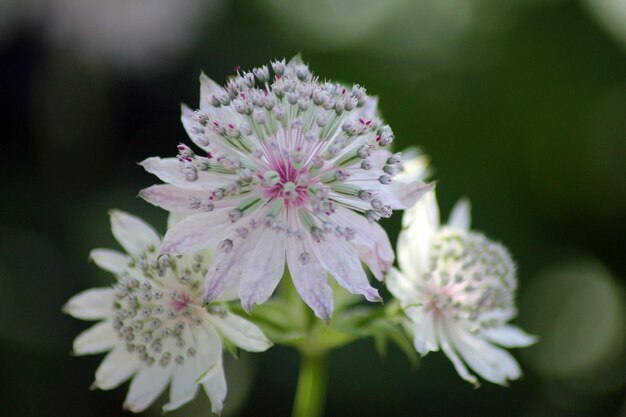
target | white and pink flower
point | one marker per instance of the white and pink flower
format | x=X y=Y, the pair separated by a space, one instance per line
x=457 y=291
x=293 y=170
x=154 y=324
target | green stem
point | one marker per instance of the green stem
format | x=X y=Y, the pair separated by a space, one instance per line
x=311 y=391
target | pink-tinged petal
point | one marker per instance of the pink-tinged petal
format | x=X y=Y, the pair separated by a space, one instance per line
x=445 y=344
x=342 y=262
x=494 y=364
x=169 y=171
x=196 y=232
x=370 y=240
x=370 y=108
x=509 y=336
x=310 y=278
x=97 y=339
x=176 y=199
x=240 y=332
x=264 y=268
x=110 y=260
x=460 y=217
x=183 y=201
x=132 y=233
x=117 y=367
x=226 y=268
x=93 y=304
x=146 y=387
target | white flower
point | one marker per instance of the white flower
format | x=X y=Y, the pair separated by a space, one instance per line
x=296 y=170
x=154 y=323
x=457 y=289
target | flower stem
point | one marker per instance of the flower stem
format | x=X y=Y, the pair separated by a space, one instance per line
x=311 y=391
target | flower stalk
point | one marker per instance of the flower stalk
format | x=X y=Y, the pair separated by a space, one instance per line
x=311 y=391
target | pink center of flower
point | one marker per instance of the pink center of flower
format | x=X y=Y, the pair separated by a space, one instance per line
x=181 y=302
x=288 y=183
x=440 y=300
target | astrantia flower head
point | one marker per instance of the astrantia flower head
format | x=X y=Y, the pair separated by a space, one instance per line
x=155 y=324
x=293 y=169
x=457 y=289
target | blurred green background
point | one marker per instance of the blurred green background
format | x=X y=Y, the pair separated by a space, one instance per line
x=521 y=105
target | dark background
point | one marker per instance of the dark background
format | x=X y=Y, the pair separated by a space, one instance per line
x=521 y=104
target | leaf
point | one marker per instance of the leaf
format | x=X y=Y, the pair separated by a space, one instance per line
x=276 y=320
x=373 y=322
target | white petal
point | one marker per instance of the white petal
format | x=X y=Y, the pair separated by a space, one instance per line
x=230 y=293
x=175 y=218
x=209 y=346
x=184 y=386
x=370 y=241
x=310 y=278
x=215 y=387
x=402 y=288
x=424 y=330
x=200 y=139
x=212 y=370
x=342 y=262
x=110 y=260
x=460 y=217
x=509 y=336
x=444 y=342
x=400 y=195
x=185 y=378
x=132 y=233
x=494 y=364
x=223 y=114
x=116 y=368
x=207 y=87
x=195 y=232
x=423 y=213
x=264 y=269
x=241 y=332
x=296 y=60
x=421 y=222
x=414 y=166
x=96 y=339
x=93 y=304
x=146 y=387
x=169 y=171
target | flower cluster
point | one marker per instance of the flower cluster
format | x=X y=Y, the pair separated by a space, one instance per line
x=457 y=290
x=294 y=170
x=154 y=323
